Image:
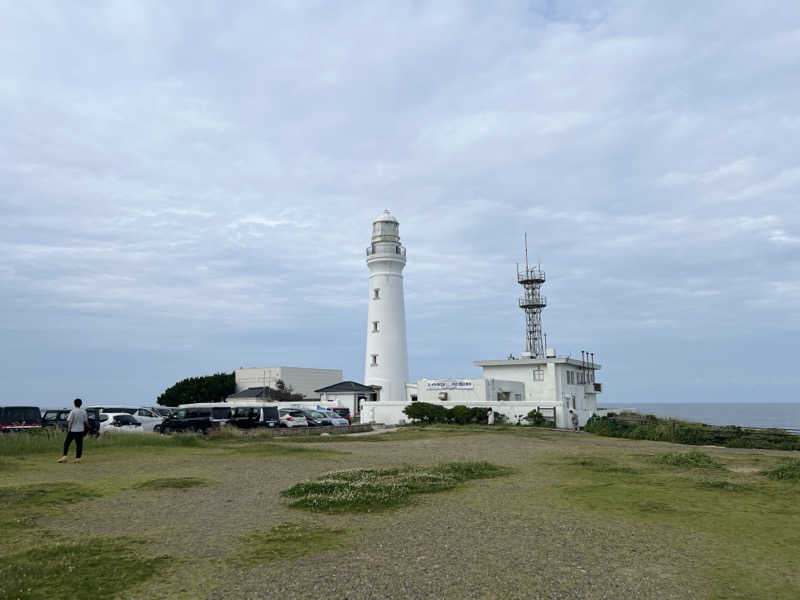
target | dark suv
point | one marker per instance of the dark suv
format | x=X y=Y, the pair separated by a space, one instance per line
x=20 y=418
x=250 y=417
x=187 y=419
x=58 y=418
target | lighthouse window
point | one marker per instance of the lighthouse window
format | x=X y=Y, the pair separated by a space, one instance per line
x=375 y=327
x=374 y=360
x=376 y=293
x=538 y=374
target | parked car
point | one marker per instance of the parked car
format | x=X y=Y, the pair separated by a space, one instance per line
x=120 y=422
x=250 y=417
x=162 y=411
x=343 y=412
x=293 y=417
x=145 y=416
x=315 y=418
x=57 y=418
x=20 y=418
x=335 y=419
x=197 y=418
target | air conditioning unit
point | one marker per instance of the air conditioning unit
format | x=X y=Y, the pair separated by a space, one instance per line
x=442 y=395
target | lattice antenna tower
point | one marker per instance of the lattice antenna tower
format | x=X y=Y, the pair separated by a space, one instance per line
x=531 y=279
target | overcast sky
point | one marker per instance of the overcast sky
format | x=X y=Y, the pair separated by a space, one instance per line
x=188 y=188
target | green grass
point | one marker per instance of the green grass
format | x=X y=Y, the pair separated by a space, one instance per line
x=21 y=504
x=729 y=486
x=172 y=483
x=96 y=568
x=690 y=460
x=289 y=541
x=30 y=496
x=50 y=441
x=602 y=465
x=367 y=490
x=787 y=470
x=745 y=527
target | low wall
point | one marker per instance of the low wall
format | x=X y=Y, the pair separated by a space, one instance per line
x=296 y=431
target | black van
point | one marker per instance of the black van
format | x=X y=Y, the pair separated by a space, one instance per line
x=250 y=417
x=20 y=418
x=195 y=417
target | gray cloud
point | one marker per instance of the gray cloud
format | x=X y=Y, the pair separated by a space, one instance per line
x=189 y=187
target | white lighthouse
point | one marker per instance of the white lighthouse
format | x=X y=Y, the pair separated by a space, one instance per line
x=386 y=364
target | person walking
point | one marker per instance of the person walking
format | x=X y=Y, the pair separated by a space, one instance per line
x=574 y=418
x=77 y=427
x=489 y=416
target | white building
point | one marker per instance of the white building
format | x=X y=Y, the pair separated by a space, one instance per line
x=386 y=360
x=559 y=383
x=303 y=381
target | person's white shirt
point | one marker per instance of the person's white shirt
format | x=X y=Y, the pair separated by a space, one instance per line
x=490 y=417
x=78 y=420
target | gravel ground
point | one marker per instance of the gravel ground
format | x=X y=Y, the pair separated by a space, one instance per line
x=510 y=537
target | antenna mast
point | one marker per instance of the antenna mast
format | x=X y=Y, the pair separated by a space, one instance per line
x=532 y=303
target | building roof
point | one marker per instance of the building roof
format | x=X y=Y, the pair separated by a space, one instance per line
x=346 y=386
x=516 y=362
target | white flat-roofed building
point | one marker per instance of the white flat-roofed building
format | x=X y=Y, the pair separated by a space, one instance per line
x=556 y=381
x=302 y=380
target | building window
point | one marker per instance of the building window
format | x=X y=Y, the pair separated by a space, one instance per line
x=414 y=398
x=581 y=377
x=518 y=397
x=375 y=326
x=374 y=362
x=571 y=377
x=376 y=294
x=538 y=374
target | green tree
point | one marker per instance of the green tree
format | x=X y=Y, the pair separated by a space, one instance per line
x=210 y=388
x=283 y=393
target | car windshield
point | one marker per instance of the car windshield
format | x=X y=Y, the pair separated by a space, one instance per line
x=51 y=415
x=127 y=411
x=316 y=414
x=181 y=413
x=20 y=414
x=221 y=413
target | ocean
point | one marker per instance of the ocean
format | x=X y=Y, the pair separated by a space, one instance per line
x=782 y=415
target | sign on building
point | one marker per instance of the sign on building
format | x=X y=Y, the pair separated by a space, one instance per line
x=435 y=385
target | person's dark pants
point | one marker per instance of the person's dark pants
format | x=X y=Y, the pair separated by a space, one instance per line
x=78 y=437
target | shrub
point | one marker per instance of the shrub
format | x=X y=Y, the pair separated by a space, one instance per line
x=788 y=470
x=460 y=414
x=365 y=490
x=537 y=419
x=650 y=427
x=500 y=418
x=694 y=459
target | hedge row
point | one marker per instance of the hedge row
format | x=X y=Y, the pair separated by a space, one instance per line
x=462 y=415
x=649 y=427
x=435 y=413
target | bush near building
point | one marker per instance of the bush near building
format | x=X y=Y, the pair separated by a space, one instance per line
x=537 y=419
x=436 y=413
x=649 y=427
